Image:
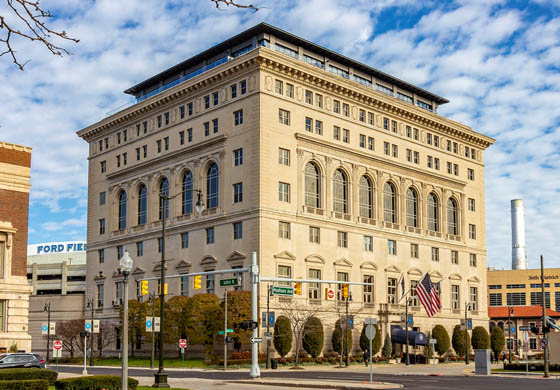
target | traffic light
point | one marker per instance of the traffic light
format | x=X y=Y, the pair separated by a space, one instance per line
x=197 y=282
x=534 y=329
x=164 y=289
x=144 y=287
x=345 y=291
x=546 y=329
x=298 y=288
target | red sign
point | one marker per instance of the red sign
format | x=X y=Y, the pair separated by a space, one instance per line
x=182 y=343
x=57 y=344
x=330 y=293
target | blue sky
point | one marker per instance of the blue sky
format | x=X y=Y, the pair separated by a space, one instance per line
x=496 y=61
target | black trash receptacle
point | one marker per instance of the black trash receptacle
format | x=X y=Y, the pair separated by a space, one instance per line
x=274 y=364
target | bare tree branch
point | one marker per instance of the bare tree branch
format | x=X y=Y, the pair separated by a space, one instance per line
x=298 y=315
x=233 y=3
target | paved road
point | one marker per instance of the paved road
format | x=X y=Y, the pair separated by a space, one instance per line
x=409 y=381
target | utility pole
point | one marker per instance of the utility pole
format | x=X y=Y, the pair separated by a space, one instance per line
x=255 y=369
x=466 y=333
x=347 y=361
x=153 y=299
x=268 y=326
x=510 y=341
x=225 y=329
x=90 y=304
x=406 y=329
x=48 y=310
x=546 y=373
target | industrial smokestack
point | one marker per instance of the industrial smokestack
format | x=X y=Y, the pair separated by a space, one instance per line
x=518 y=253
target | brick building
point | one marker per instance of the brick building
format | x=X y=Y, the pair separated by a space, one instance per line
x=15 y=166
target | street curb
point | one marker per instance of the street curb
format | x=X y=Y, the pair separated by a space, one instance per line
x=330 y=385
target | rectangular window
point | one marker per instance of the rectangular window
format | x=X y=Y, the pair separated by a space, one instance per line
x=285 y=272
x=336 y=106
x=216 y=98
x=237 y=230
x=238 y=117
x=284 y=230
x=368 y=289
x=289 y=90
x=495 y=299
x=319 y=127
x=362 y=116
x=118 y=161
x=100 y=293
x=102 y=198
x=182 y=112
x=345 y=109
x=138 y=129
x=181 y=137
x=342 y=239
x=120 y=252
x=308 y=124
x=279 y=87
x=238 y=157
x=189 y=135
x=387 y=148
x=495 y=287
x=210 y=283
x=145 y=126
x=101 y=256
x=472 y=258
x=243 y=87
x=284 y=157
x=471 y=204
x=371 y=143
x=449 y=168
x=140 y=248
x=166 y=117
x=435 y=254
x=454 y=257
x=341 y=277
x=215 y=125
x=408 y=155
x=336 y=133
x=207 y=102
x=314 y=288
x=103 y=166
x=159 y=121
x=362 y=141
x=430 y=162
x=394 y=126
x=473 y=298
x=102 y=226
x=409 y=131
x=206 y=129
x=395 y=151
x=184 y=240
x=118 y=293
x=346 y=136
x=448 y=146
x=470 y=174
x=467 y=151
x=237 y=192
x=455 y=297
x=414 y=251
x=370 y=118
x=392 y=247
x=314 y=235
x=233 y=90
x=308 y=97
x=145 y=150
x=414 y=301
x=456 y=169
x=392 y=290
x=319 y=100
x=210 y=235
x=516 y=299
x=472 y=231
x=416 y=158
x=455 y=147
x=368 y=243
x=185 y=286
x=118 y=138
x=429 y=138
x=284 y=192
x=166 y=143
x=284 y=117
x=158 y=142
x=436 y=163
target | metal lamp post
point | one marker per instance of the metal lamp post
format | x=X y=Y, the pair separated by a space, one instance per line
x=125 y=263
x=510 y=342
x=160 y=377
x=48 y=310
x=467 y=307
x=90 y=305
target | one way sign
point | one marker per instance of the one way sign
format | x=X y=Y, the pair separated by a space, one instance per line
x=256 y=340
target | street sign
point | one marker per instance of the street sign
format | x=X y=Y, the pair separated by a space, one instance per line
x=468 y=322
x=283 y=290
x=57 y=353
x=432 y=341
x=512 y=329
x=221 y=332
x=526 y=337
x=267 y=334
x=57 y=344
x=330 y=294
x=271 y=318
x=229 y=339
x=45 y=329
x=232 y=282
x=152 y=324
x=349 y=321
x=544 y=343
x=156 y=324
x=88 y=325
x=182 y=343
x=525 y=328
x=256 y=340
x=370 y=332
x=410 y=320
x=89 y=328
x=370 y=321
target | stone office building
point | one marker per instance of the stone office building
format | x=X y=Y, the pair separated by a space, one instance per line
x=327 y=168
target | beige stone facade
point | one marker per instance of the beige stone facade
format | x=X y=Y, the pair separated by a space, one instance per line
x=344 y=216
x=15 y=162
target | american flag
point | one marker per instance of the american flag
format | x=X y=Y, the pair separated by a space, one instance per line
x=428 y=295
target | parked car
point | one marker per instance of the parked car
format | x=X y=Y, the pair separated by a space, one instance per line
x=21 y=360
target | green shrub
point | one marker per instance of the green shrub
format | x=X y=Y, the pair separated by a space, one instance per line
x=443 y=343
x=313 y=337
x=28 y=374
x=282 y=335
x=458 y=340
x=480 y=338
x=497 y=340
x=387 y=347
x=95 y=382
x=33 y=384
x=336 y=339
x=364 y=341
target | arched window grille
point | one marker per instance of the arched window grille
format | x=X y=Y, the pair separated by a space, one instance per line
x=142 y=205
x=212 y=179
x=312 y=186
x=411 y=208
x=389 y=203
x=366 y=198
x=452 y=217
x=187 y=197
x=340 y=192
x=433 y=215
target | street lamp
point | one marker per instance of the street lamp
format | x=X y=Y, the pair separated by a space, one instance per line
x=48 y=310
x=160 y=377
x=125 y=263
x=510 y=314
x=90 y=305
x=467 y=308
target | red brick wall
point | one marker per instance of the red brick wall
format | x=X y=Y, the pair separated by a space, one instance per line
x=15 y=157
x=14 y=207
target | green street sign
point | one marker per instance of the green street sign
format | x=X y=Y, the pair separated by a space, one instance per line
x=230 y=330
x=221 y=332
x=233 y=282
x=281 y=290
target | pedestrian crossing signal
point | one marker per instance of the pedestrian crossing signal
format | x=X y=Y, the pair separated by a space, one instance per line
x=144 y=287
x=197 y=282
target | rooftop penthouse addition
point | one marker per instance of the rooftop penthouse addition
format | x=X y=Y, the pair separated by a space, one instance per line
x=265 y=35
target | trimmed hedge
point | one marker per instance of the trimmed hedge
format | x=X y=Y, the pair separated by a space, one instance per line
x=95 y=382
x=12 y=374
x=33 y=384
x=313 y=336
x=532 y=367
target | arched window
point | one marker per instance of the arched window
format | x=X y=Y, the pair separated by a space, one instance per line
x=366 y=199
x=389 y=203
x=452 y=217
x=164 y=199
x=212 y=178
x=433 y=215
x=411 y=208
x=122 y=210
x=187 y=193
x=142 y=204
x=340 y=192
x=312 y=186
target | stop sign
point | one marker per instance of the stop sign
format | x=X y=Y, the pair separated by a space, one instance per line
x=330 y=293
x=182 y=343
x=57 y=344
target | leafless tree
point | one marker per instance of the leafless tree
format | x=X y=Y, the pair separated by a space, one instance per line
x=298 y=315
x=69 y=333
x=28 y=20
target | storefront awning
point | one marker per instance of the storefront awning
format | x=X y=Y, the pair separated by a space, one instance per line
x=398 y=336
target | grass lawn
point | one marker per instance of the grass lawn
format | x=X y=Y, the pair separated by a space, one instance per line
x=145 y=362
